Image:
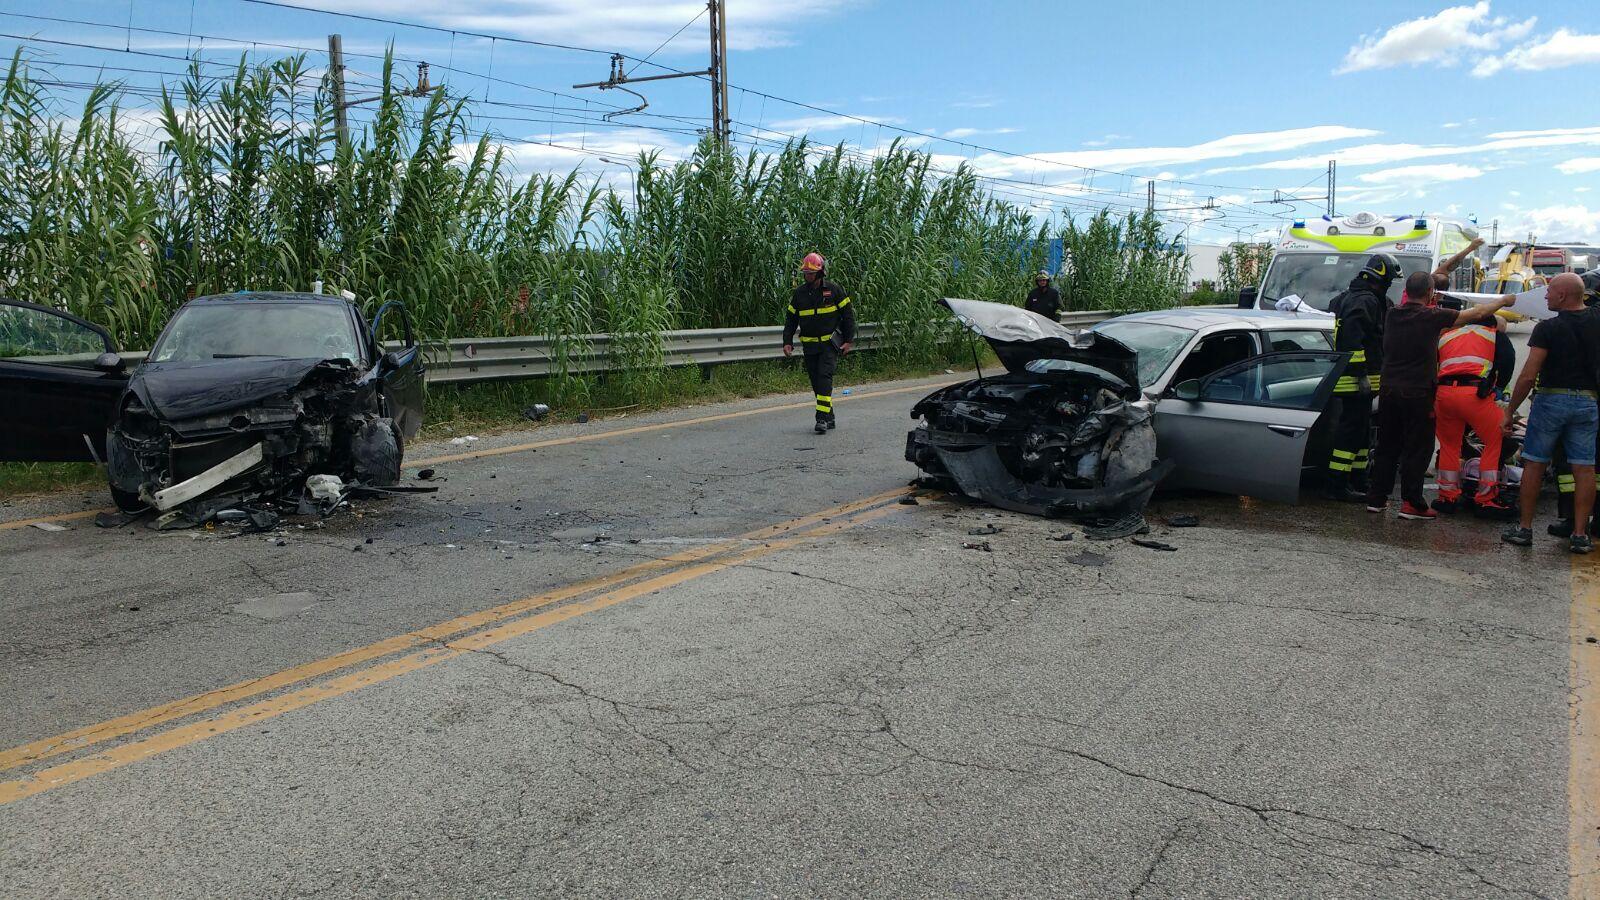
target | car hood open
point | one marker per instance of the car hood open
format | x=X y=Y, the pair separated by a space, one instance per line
x=183 y=390
x=1020 y=337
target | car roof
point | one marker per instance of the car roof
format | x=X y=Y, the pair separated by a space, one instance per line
x=1199 y=318
x=268 y=297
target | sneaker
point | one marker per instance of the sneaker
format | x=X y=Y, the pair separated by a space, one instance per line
x=1378 y=507
x=1522 y=537
x=1580 y=543
x=1419 y=513
x=822 y=428
x=1448 y=507
x=1560 y=528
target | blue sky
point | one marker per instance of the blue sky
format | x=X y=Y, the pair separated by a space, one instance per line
x=1489 y=109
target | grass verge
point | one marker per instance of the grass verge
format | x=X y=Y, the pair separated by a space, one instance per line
x=491 y=407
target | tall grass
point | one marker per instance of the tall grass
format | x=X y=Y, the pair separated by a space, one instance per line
x=246 y=186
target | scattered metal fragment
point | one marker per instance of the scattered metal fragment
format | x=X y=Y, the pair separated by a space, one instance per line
x=977 y=545
x=1112 y=529
x=1153 y=545
x=114 y=519
x=908 y=500
x=1183 y=521
x=1089 y=558
x=985 y=529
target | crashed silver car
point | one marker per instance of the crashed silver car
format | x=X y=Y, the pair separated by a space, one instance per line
x=1064 y=432
x=242 y=398
x=1087 y=424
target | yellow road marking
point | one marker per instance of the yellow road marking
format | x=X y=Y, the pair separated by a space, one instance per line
x=1583 y=768
x=185 y=735
x=63 y=517
x=553 y=442
x=177 y=709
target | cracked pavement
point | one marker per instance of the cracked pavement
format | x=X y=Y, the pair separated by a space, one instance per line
x=1299 y=702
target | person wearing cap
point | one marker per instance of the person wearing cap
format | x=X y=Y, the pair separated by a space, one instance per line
x=825 y=318
x=1562 y=361
x=1044 y=299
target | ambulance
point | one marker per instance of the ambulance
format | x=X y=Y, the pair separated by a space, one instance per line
x=1315 y=259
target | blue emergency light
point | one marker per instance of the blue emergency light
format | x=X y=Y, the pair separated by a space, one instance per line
x=1299 y=223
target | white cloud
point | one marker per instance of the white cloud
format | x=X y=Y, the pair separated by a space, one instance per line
x=630 y=25
x=958 y=133
x=1382 y=154
x=1579 y=165
x=1221 y=148
x=806 y=124
x=1441 y=38
x=1105 y=140
x=1559 y=50
x=1414 y=174
x=1570 y=222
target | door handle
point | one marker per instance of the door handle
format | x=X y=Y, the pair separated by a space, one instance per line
x=1287 y=430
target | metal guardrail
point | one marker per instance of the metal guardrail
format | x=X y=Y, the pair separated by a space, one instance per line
x=471 y=360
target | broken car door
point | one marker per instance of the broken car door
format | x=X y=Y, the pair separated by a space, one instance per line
x=400 y=370
x=60 y=378
x=1245 y=429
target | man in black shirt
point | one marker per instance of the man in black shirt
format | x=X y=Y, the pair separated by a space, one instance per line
x=1562 y=359
x=822 y=313
x=1406 y=398
x=1044 y=299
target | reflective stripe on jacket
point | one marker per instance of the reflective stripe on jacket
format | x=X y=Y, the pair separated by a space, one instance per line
x=1468 y=350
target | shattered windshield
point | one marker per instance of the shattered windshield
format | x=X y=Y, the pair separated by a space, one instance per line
x=1319 y=277
x=1157 y=345
x=237 y=330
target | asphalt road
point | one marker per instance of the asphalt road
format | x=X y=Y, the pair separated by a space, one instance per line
x=708 y=653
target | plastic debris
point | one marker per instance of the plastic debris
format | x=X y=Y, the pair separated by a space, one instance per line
x=425 y=475
x=49 y=526
x=1183 y=521
x=977 y=545
x=1063 y=536
x=583 y=418
x=324 y=488
x=908 y=500
x=536 y=412
x=846 y=392
x=1152 y=545
x=465 y=439
x=986 y=529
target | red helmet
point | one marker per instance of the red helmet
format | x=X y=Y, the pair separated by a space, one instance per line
x=812 y=263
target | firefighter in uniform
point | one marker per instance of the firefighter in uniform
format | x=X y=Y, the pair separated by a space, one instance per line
x=1566 y=484
x=823 y=314
x=1358 y=330
x=1475 y=363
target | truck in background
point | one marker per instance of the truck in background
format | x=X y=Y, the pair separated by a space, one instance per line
x=1317 y=258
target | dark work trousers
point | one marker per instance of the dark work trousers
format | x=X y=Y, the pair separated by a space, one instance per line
x=1405 y=442
x=822 y=360
x=1352 y=429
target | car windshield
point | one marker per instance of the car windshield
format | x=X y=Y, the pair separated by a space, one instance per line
x=1319 y=277
x=228 y=330
x=1157 y=345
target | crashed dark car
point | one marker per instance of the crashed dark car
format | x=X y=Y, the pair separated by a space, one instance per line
x=1063 y=432
x=243 y=397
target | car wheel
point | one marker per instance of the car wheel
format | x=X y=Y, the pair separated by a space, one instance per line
x=127 y=502
x=376 y=452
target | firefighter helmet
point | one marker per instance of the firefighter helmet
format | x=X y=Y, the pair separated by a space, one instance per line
x=813 y=263
x=1382 y=267
x=1044 y=274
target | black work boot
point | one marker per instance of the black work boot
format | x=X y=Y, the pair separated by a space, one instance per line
x=1338 y=488
x=822 y=427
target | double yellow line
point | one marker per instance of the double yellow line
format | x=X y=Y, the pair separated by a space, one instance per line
x=441 y=642
x=1583 y=765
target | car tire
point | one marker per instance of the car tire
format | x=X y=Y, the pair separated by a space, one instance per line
x=376 y=452
x=126 y=502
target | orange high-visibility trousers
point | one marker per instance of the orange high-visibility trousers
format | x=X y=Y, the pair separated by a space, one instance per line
x=1457 y=408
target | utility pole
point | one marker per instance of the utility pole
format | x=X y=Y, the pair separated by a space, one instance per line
x=1150 y=196
x=719 y=71
x=721 y=125
x=341 y=119
x=1494 y=232
x=1333 y=183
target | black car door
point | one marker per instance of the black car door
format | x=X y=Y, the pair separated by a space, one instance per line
x=60 y=378
x=400 y=369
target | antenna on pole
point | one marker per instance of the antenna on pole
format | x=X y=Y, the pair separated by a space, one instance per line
x=717 y=72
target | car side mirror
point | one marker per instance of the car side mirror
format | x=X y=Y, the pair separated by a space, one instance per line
x=1187 y=390
x=110 y=363
x=1247 y=297
x=392 y=360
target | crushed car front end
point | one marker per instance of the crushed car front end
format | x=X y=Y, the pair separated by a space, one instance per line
x=1064 y=432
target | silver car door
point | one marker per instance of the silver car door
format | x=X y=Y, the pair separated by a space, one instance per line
x=1244 y=429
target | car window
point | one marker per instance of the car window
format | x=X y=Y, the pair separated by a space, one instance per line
x=226 y=330
x=1156 y=345
x=1290 y=383
x=36 y=335
x=1287 y=341
x=1215 y=352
